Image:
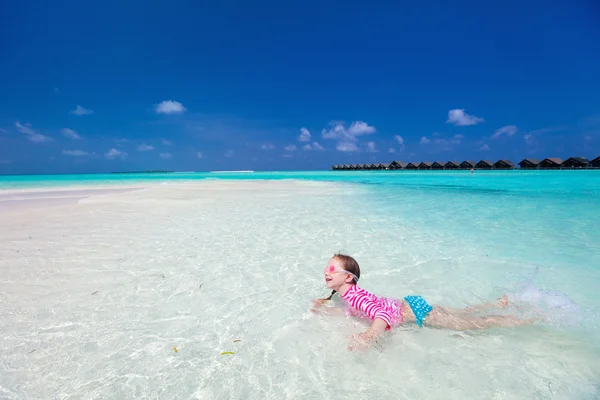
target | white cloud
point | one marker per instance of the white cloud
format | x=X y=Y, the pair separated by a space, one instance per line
x=167 y=142
x=145 y=147
x=347 y=147
x=81 y=111
x=76 y=153
x=347 y=137
x=114 y=153
x=170 y=107
x=460 y=118
x=360 y=128
x=391 y=150
x=485 y=147
x=229 y=153
x=70 y=133
x=508 y=130
x=399 y=139
x=459 y=136
x=291 y=147
x=341 y=133
x=199 y=155
x=314 y=146
x=529 y=138
x=267 y=146
x=165 y=156
x=304 y=135
x=31 y=134
x=425 y=140
x=371 y=148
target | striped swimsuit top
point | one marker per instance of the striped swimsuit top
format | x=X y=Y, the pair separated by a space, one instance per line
x=363 y=304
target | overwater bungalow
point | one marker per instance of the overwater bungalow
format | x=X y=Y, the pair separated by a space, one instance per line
x=551 y=163
x=383 y=166
x=467 y=164
x=595 y=163
x=576 y=162
x=438 y=165
x=504 y=164
x=398 y=165
x=374 y=166
x=412 y=165
x=484 y=164
x=425 y=165
x=530 y=163
x=452 y=165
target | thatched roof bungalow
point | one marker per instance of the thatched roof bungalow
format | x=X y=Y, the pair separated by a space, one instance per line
x=468 y=164
x=425 y=165
x=595 y=163
x=530 y=163
x=576 y=162
x=438 y=165
x=484 y=164
x=384 y=166
x=452 y=165
x=412 y=165
x=398 y=165
x=551 y=163
x=504 y=164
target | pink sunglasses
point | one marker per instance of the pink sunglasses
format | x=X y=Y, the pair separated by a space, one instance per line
x=332 y=269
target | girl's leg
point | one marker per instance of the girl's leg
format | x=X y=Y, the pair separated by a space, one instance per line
x=502 y=302
x=441 y=317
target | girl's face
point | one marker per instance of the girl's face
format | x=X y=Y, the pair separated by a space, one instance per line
x=336 y=275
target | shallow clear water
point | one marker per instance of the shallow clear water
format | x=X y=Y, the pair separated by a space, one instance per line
x=105 y=289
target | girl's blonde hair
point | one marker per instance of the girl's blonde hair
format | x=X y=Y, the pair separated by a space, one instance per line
x=349 y=264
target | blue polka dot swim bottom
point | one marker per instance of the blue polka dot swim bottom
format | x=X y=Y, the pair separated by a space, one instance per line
x=419 y=307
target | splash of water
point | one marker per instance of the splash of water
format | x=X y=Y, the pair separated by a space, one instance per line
x=553 y=307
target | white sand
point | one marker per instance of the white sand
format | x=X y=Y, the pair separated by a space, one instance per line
x=99 y=286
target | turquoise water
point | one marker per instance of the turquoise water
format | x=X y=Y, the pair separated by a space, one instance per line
x=453 y=237
x=549 y=219
x=545 y=218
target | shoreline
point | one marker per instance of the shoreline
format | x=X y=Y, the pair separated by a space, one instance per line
x=25 y=199
x=11 y=183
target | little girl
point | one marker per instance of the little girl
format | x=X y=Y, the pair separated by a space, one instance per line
x=342 y=274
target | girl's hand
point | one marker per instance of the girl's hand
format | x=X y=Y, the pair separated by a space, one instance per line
x=361 y=342
x=317 y=304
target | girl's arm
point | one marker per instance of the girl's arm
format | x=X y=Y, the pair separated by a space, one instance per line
x=364 y=340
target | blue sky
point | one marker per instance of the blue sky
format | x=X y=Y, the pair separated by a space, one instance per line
x=263 y=85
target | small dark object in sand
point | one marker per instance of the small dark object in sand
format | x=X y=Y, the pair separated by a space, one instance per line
x=200 y=287
x=95 y=292
x=163 y=276
x=236 y=340
x=31 y=351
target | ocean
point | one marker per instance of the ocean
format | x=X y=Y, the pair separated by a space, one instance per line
x=137 y=293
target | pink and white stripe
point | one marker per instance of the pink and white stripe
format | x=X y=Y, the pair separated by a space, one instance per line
x=367 y=305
